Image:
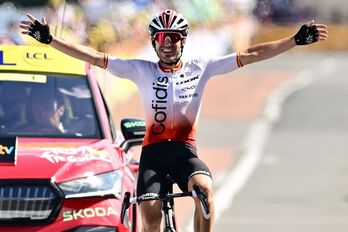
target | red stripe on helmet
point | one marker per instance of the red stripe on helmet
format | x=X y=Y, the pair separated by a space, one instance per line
x=164 y=20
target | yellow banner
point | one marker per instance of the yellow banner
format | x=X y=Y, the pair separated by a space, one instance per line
x=38 y=59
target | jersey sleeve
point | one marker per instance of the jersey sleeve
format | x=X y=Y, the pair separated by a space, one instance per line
x=124 y=68
x=223 y=64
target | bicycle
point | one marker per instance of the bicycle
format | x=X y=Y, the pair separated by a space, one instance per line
x=167 y=204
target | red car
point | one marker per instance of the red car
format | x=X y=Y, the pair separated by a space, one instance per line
x=63 y=165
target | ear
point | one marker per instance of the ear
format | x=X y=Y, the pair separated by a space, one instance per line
x=183 y=41
x=153 y=41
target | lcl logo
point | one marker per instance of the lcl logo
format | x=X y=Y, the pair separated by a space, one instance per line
x=37 y=56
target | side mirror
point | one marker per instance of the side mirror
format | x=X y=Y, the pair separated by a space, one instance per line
x=133 y=131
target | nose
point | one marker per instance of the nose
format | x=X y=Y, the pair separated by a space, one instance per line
x=167 y=44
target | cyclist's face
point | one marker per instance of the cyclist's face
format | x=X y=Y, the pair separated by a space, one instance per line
x=168 y=46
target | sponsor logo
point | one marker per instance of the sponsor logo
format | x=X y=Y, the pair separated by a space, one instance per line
x=184 y=89
x=188 y=80
x=148 y=196
x=134 y=124
x=73 y=215
x=159 y=105
x=2 y=62
x=8 y=151
x=80 y=155
x=188 y=96
x=37 y=56
x=4 y=150
x=309 y=39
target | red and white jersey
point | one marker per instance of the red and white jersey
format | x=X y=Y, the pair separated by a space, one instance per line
x=171 y=99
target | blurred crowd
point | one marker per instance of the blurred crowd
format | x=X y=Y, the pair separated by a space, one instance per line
x=106 y=24
x=103 y=23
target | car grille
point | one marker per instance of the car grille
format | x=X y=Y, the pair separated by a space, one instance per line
x=34 y=202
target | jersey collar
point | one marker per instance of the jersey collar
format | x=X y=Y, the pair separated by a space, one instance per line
x=171 y=69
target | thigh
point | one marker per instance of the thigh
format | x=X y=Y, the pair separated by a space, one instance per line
x=151 y=177
x=187 y=166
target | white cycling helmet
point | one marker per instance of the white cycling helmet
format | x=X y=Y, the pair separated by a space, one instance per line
x=169 y=20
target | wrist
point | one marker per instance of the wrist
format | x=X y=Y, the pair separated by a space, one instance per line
x=293 y=41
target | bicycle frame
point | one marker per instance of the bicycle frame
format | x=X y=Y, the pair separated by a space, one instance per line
x=168 y=209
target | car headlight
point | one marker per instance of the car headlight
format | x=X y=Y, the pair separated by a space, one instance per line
x=108 y=183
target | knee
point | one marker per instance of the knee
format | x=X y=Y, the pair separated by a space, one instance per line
x=204 y=183
x=151 y=218
x=208 y=190
x=205 y=186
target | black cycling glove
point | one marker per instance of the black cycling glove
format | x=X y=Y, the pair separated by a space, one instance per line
x=307 y=35
x=40 y=32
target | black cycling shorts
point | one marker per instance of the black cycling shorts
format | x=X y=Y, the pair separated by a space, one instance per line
x=177 y=159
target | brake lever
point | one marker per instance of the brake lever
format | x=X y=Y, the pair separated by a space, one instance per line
x=125 y=205
x=203 y=200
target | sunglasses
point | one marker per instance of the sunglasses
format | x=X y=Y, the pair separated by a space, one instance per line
x=162 y=37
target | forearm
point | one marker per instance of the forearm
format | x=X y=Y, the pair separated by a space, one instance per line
x=78 y=51
x=267 y=50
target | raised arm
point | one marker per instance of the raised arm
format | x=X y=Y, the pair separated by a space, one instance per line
x=308 y=33
x=41 y=32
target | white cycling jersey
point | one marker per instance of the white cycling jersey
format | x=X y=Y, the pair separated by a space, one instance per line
x=171 y=99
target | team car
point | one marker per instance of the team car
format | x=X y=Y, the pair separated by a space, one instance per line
x=64 y=165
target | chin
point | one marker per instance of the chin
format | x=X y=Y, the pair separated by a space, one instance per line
x=167 y=60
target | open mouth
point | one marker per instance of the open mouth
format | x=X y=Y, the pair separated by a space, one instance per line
x=167 y=50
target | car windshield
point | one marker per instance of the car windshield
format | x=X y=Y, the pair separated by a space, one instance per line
x=36 y=105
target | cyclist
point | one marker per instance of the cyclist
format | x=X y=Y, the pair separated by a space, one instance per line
x=171 y=92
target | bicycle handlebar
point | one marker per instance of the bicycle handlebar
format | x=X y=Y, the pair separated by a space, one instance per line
x=157 y=197
x=196 y=192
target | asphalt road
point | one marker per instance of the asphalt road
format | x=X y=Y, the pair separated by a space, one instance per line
x=291 y=167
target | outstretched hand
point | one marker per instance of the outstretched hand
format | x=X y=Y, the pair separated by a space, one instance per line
x=36 y=29
x=310 y=33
